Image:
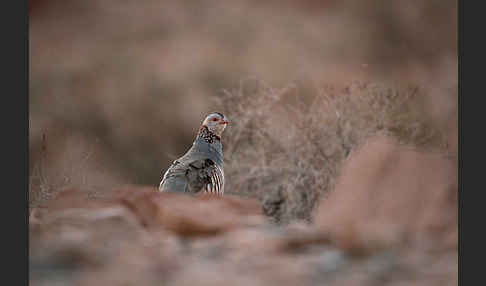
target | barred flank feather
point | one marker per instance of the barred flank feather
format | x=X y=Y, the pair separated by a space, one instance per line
x=216 y=186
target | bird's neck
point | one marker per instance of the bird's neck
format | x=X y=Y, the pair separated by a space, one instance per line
x=207 y=135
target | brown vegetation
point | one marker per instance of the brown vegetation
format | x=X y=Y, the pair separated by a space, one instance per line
x=340 y=158
x=119 y=90
x=286 y=145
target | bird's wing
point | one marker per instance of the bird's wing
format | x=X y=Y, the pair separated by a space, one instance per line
x=173 y=179
x=194 y=176
x=205 y=175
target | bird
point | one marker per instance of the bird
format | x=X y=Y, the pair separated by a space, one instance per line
x=200 y=169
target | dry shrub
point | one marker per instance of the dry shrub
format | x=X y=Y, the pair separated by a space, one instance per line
x=285 y=145
x=71 y=163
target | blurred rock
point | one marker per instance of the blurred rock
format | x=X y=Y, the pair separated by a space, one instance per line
x=190 y=216
x=390 y=195
x=137 y=236
x=121 y=230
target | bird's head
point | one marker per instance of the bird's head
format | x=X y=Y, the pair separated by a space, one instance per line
x=216 y=123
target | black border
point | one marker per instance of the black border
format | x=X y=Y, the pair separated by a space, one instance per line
x=15 y=132
x=471 y=113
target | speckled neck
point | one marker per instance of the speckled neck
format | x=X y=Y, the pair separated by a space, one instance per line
x=207 y=135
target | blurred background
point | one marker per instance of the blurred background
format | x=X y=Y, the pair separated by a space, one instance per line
x=118 y=89
x=340 y=159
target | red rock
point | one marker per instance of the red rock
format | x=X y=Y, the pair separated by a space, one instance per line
x=389 y=194
x=182 y=214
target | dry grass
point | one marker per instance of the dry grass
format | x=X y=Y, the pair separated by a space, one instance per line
x=83 y=166
x=286 y=145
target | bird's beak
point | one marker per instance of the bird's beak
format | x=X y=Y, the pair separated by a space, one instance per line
x=224 y=121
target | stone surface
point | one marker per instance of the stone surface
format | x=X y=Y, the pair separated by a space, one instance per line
x=391 y=220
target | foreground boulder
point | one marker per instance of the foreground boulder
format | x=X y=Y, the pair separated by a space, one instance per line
x=390 y=195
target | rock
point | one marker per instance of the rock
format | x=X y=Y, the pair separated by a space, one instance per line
x=139 y=236
x=389 y=194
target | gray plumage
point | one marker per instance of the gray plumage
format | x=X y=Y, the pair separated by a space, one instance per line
x=201 y=168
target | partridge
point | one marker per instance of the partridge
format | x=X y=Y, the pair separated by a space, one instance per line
x=201 y=167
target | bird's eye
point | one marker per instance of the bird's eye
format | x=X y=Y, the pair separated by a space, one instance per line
x=215 y=119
